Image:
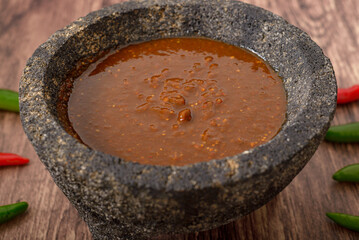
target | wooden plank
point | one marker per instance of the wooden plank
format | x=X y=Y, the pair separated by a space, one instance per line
x=296 y=213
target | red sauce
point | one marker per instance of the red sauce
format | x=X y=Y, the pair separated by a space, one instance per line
x=177 y=101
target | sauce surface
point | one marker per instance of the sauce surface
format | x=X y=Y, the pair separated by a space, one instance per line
x=177 y=101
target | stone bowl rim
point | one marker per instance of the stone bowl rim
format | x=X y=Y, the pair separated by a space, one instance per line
x=249 y=162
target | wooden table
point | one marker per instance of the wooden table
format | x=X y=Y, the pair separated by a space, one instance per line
x=296 y=213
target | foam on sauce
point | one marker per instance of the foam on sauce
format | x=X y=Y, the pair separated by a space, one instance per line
x=177 y=101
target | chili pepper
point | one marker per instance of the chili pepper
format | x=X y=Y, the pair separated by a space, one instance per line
x=349 y=173
x=343 y=133
x=346 y=95
x=10 y=159
x=345 y=220
x=10 y=211
x=9 y=100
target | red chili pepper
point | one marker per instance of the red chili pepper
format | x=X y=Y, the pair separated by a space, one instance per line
x=346 y=95
x=9 y=159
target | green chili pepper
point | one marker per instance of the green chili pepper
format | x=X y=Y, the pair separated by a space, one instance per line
x=9 y=100
x=345 y=220
x=343 y=133
x=10 y=211
x=349 y=173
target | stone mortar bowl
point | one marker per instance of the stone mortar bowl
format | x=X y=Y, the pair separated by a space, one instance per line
x=125 y=200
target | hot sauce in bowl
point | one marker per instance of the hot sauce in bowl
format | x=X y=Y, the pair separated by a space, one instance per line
x=177 y=101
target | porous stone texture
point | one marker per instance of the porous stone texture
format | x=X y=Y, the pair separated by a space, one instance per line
x=126 y=200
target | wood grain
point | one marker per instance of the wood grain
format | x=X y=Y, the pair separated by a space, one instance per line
x=296 y=213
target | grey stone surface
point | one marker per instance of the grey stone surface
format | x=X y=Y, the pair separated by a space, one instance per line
x=126 y=200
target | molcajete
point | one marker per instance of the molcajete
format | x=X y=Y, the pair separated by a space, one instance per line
x=119 y=199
